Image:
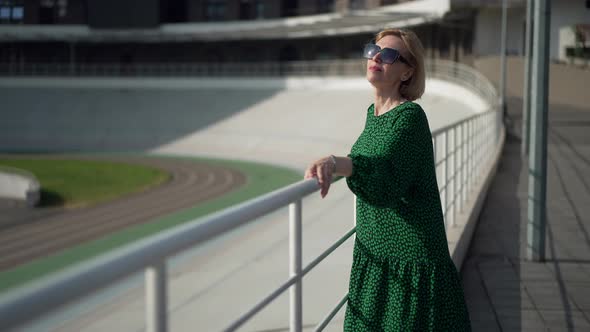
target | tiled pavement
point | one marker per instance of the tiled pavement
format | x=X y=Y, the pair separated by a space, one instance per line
x=504 y=291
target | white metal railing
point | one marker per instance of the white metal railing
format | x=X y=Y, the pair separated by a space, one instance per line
x=461 y=151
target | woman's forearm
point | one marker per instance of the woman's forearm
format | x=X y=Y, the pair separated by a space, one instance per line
x=343 y=166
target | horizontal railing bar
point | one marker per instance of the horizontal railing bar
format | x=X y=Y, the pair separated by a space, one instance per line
x=327 y=252
x=263 y=303
x=444 y=186
x=448 y=207
x=442 y=130
x=56 y=290
x=289 y=282
x=331 y=315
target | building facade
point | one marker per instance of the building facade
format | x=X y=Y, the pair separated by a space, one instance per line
x=172 y=11
x=177 y=31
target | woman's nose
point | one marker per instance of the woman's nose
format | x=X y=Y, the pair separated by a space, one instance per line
x=377 y=57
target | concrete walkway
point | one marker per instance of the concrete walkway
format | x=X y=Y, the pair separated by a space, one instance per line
x=504 y=291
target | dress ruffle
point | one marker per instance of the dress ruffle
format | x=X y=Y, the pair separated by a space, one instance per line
x=396 y=294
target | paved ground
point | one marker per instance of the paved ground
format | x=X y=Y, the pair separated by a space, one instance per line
x=27 y=234
x=504 y=291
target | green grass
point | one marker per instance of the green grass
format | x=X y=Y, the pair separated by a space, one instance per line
x=76 y=183
x=260 y=179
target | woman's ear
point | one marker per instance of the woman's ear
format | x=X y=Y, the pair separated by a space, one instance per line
x=408 y=74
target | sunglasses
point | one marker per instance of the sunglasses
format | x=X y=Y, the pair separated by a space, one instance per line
x=388 y=55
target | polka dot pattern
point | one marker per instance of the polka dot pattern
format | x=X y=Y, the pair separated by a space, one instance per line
x=402 y=276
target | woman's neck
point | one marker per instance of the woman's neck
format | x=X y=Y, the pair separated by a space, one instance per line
x=386 y=100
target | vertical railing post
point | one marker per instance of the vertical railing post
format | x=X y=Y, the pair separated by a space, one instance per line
x=445 y=175
x=477 y=160
x=471 y=149
x=462 y=168
x=434 y=150
x=456 y=178
x=156 y=298
x=295 y=292
x=482 y=144
x=354 y=210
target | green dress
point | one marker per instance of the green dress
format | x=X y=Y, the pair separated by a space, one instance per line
x=402 y=276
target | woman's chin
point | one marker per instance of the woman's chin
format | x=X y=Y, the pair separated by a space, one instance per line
x=371 y=76
x=375 y=79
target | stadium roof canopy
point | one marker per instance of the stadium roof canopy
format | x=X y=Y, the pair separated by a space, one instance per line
x=352 y=22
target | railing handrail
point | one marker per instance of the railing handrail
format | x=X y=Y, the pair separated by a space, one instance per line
x=56 y=290
x=457 y=123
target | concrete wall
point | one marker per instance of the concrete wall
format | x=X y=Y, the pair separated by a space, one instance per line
x=565 y=13
x=561 y=80
x=253 y=118
x=488 y=31
x=488 y=24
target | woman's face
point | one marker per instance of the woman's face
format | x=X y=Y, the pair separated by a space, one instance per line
x=383 y=75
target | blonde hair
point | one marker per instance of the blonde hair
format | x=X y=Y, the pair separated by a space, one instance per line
x=412 y=88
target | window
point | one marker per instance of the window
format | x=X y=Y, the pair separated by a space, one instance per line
x=62 y=8
x=18 y=13
x=325 y=6
x=215 y=10
x=47 y=12
x=289 y=7
x=5 y=13
x=356 y=4
x=259 y=9
x=245 y=10
x=11 y=11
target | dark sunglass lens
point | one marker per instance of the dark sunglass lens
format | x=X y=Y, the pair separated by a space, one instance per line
x=389 y=55
x=370 y=51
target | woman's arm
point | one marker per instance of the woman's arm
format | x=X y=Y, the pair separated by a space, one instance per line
x=382 y=180
x=325 y=168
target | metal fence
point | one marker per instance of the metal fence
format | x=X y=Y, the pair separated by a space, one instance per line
x=462 y=150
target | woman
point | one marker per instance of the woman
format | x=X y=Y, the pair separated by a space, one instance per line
x=402 y=276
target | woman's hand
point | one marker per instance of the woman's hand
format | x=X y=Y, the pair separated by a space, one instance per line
x=323 y=170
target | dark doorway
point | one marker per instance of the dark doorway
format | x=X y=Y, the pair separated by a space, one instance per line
x=288 y=53
x=245 y=9
x=289 y=8
x=174 y=11
x=46 y=15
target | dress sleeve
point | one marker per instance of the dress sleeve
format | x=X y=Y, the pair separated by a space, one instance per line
x=384 y=180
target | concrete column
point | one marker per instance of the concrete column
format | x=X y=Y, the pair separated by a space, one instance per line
x=537 y=202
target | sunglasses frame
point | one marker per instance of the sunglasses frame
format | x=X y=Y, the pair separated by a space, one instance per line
x=380 y=50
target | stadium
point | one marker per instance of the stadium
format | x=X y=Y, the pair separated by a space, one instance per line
x=231 y=99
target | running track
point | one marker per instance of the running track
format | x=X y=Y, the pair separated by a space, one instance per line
x=26 y=235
